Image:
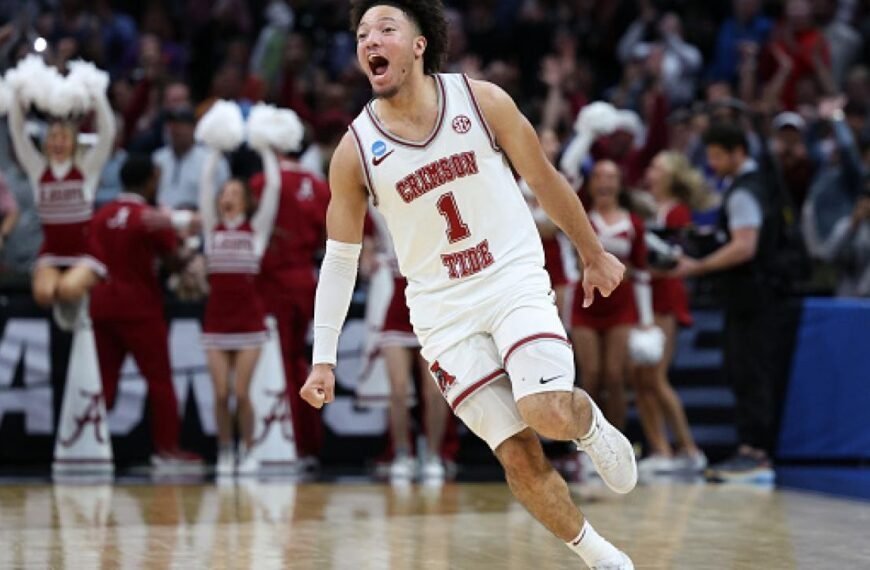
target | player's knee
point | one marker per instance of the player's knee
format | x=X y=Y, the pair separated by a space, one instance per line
x=550 y=414
x=518 y=456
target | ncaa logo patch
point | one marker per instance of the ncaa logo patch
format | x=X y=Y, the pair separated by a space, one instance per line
x=461 y=124
x=379 y=148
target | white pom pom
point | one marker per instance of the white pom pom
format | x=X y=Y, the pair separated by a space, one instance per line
x=222 y=127
x=646 y=346
x=68 y=97
x=45 y=88
x=92 y=79
x=598 y=118
x=269 y=126
x=31 y=79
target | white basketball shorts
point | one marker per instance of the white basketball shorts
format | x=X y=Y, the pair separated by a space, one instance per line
x=516 y=348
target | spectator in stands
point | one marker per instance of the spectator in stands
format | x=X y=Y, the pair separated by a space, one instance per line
x=330 y=127
x=844 y=41
x=833 y=192
x=848 y=249
x=747 y=30
x=799 y=47
x=745 y=263
x=181 y=163
x=680 y=61
x=789 y=149
x=9 y=212
x=110 y=185
x=127 y=308
x=149 y=107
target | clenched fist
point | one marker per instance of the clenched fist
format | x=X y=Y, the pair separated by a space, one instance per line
x=603 y=272
x=319 y=388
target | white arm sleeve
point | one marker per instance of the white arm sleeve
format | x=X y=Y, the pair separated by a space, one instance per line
x=332 y=301
x=643 y=298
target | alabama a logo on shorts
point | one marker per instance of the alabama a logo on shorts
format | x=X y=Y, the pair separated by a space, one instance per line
x=445 y=379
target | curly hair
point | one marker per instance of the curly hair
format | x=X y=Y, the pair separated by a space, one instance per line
x=428 y=15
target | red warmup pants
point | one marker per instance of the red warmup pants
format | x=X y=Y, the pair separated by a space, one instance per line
x=294 y=309
x=148 y=341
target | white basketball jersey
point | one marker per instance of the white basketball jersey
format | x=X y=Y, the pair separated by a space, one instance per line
x=460 y=226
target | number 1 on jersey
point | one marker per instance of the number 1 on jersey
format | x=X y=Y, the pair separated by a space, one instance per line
x=456 y=228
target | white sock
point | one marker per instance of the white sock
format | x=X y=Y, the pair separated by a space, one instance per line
x=591 y=546
x=593 y=427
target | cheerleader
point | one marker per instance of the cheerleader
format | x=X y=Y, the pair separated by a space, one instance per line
x=64 y=183
x=235 y=237
x=677 y=188
x=600 y=331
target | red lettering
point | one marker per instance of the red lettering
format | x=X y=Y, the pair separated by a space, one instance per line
x=446 y=173
x=458 y=166
x=470 y=162
x=469 y=261
x=436 y=174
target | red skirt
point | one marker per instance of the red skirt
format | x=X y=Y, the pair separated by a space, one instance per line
x=670 y=298
x=553 y=262
x=605 y=312
x=397 y=329
x=65 y=245
x=234 y=313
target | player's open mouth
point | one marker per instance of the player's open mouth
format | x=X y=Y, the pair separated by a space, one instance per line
x=378 y=64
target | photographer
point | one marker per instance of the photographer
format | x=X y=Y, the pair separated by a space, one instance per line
x=745 y=263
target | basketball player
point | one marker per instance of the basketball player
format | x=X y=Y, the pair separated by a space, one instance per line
x=286 y=284
x=432 y=151
x=64 y=186
x=127 y=308
x=235 y=237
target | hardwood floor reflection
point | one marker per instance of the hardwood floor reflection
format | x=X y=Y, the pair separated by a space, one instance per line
x=459 y=526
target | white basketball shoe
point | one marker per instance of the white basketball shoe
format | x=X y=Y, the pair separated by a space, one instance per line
x=622 y=562
x=611 y=453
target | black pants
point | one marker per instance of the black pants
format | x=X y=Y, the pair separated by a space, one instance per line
x=758 y=350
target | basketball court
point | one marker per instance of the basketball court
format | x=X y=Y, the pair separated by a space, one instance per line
x=279 y=524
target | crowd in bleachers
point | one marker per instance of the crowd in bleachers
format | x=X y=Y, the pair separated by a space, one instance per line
x=794 y=74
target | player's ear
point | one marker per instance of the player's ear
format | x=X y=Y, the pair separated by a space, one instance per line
x=420 y=46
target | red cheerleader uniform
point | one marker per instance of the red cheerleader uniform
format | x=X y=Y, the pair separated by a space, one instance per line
x=64 y=193
x=625 y=240
x=234 y=313
x=669 y=293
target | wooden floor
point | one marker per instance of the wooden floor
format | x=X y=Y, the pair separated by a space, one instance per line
x=458 y=526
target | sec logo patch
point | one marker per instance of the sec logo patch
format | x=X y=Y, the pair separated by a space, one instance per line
x=461 y=124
